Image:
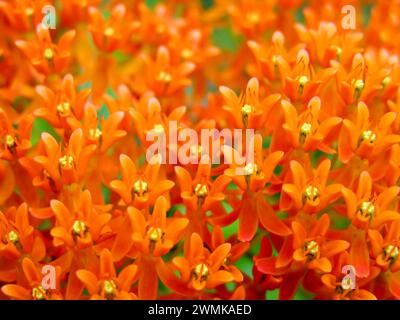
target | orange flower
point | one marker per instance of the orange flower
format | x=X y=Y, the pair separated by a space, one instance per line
x=200 y=193
x=386 y=249
x=306 y=129
x=148 y=238
x=161 y=75
x=312 y=194
x=248 y=110
x=335 y=286
x=15 y=142
x=308 y=248
x=140 y=188
x=107 y=285
x=311 y=246
x=267 y=55
x=65 y=103
x=365 y=140
x=22 y=16
x=253 y=175
x=43 y=54
x=157 y=235
x=56 y=167
x=199 y=269
x=114 y=33
x=93 y=128
x=301 y=82
x=82 y=227
x=32 y=288
x=366 y=208
x=18 y=239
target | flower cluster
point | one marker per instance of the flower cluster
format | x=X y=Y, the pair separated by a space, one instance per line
x=320 y=195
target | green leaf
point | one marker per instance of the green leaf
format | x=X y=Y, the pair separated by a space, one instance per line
x=302 y=294
x=106 y=193
x=103 y=112
x=39 y=126
x=231 y=229
x=151 y=3
x=245 y=264
x=207 y=4
x=338 y=221
x=225 y=39
x=272 y=294
x=45 y=225
x=120 y=57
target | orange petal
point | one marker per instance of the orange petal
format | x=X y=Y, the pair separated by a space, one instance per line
x=89 y=280
x=322 y=264
x=107 y=269
x=16 y=292
x=31 y=273
x=333 y=247
x=127 y=276
x=359 y=254
x=218 y=256
x=217 y=278
x=270 y=220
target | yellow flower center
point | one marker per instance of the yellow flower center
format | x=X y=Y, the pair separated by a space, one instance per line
x=10 y=141
x=13 y=237
x=140 y=187
x=368 y=136
x=246 y=110
x=186 y=53
x=386 y=81
x=339 y=52
x=367 y=209
x=311 y=194
x=109 y=31
x=305 y=130
x=158 y=129
x=164 y=77
x=95 y=134
x=359 y=84
x=311 y=249
x=250 y=168
x=155 y=234
x=110 y=289
x=253 y=17
x=347 y=284
x=48 y=54
x=201 y=271
x=274 y=60
x=392 y=252
x=79 y=228
x=66 y=161
x=196 y=150
x=201 y=190
x=38 y=293
x=64 y=109
x=303 y=80
x=29 y=11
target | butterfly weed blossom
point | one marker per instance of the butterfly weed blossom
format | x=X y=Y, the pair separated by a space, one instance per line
x=312 y=192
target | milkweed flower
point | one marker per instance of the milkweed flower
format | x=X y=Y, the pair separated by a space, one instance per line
x=46 y=56
x=140 y=187
x=311 y=193
x=32 y=289
x=254 y=175
x=107 y=285
x=148 y=239
x=199 y=269
x=99 y=116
